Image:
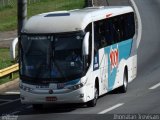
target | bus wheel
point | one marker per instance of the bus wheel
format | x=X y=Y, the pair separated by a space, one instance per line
x=125 y=83
x=93 y=102
x=37 y=106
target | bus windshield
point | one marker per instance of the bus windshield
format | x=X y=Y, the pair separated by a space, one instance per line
x=51 y=58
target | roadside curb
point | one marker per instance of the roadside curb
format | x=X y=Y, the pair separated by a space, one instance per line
x=10 y=84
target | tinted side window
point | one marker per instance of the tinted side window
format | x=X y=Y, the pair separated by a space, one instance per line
x=109 y=34
x=120 y=28
x=89 y=29
x=129 y=29
x=132 y=24
x=113 y=30
x=99 y=34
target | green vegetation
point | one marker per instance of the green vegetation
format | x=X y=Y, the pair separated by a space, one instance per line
x=5 y=59
x=8 y=14
x=8 y=78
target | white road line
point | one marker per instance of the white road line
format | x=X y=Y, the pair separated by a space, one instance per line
x=155 y=86
x=10 y=102
x=12 y=92
x=111 y=108
x=28 y=107
x=15 y=112
x=6 y=100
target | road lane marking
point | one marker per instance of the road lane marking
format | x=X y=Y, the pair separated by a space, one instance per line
x=155 y=86
x=6 y=100
x=12 y=92
x=28 y=107
x=10 y=102
x=16 y=112
x=111 y=108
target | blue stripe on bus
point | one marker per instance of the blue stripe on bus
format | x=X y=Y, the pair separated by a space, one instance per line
x=96 y=62
x=124 y=53
x=73 y=82
x=62 y=85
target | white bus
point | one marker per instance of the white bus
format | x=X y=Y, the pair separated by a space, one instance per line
x=76 y=56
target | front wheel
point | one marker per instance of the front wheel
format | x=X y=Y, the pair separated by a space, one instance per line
x=93 y=102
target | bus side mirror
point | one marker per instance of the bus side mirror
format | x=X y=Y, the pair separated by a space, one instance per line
x=85 y=45
x=13 y=48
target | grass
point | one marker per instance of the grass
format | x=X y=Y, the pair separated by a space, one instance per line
x=8 y=78
x=5 y=59
x=8 y=15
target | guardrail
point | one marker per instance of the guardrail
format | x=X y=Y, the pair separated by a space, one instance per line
x=9 y=70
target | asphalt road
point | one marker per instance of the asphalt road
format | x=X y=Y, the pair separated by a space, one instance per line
x=142 y=96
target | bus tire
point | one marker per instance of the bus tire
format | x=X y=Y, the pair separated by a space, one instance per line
x=93 y=102
x=37 y=106
x=123 y=88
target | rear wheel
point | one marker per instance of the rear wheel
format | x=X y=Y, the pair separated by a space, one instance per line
x=125 y=82
x=93 y=102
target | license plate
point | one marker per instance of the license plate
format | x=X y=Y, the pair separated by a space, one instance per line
x=42 y=86
x=51 y=99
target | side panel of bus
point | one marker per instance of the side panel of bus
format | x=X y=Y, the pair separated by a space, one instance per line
x=112 y=50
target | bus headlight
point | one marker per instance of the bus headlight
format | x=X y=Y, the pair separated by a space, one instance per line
x=25 y=88
x=75 y=87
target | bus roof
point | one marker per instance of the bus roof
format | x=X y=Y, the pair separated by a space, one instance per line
x=73 y=20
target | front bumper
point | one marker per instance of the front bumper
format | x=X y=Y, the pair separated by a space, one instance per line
x=75 y=96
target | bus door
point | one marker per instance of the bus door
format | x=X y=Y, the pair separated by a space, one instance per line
x=103 y=64
x=99 y=47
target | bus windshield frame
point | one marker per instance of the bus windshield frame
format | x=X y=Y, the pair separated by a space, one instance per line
x=51 y=58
